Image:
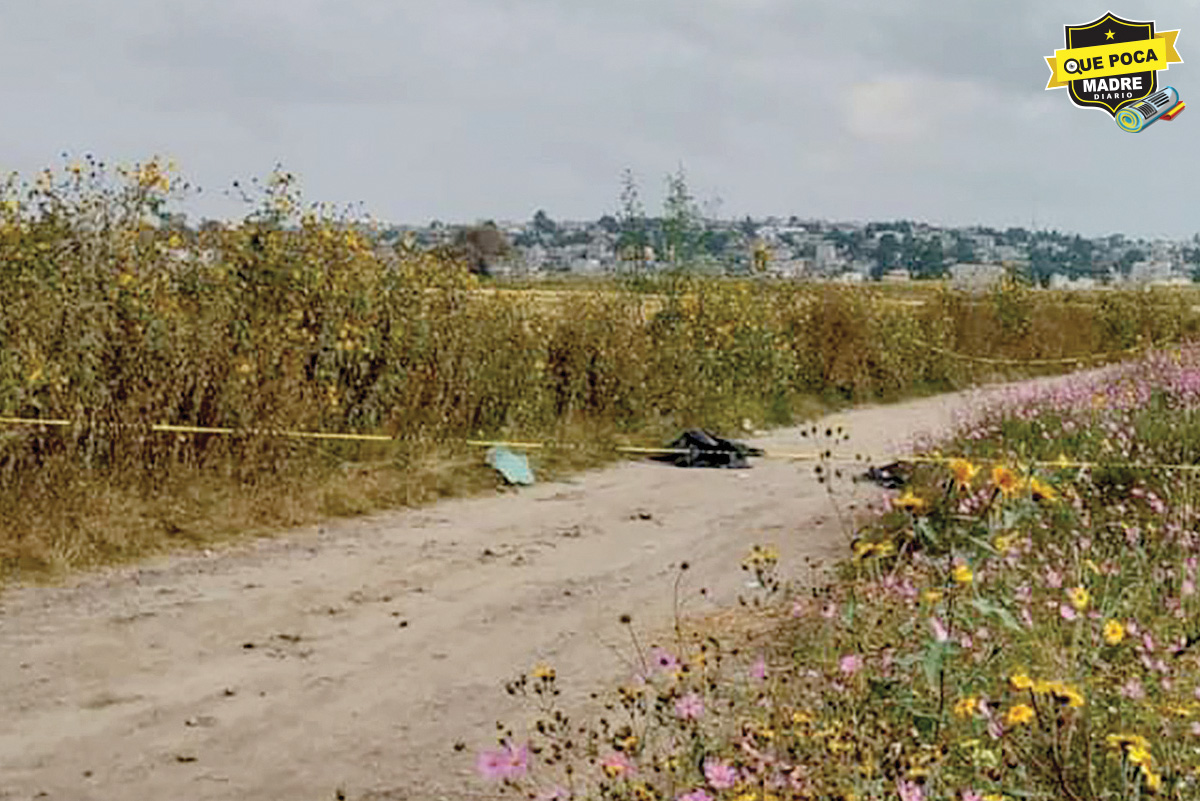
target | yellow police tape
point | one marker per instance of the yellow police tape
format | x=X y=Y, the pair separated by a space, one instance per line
x=181 y=429
x=826 y=457
x=1064 y=360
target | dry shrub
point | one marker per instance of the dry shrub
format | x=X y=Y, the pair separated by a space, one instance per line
x=118 y=320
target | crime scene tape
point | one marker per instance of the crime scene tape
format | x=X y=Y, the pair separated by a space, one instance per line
x=824 y=457
x=1062 y=360
x=167 y=428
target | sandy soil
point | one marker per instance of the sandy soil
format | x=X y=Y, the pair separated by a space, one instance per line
x=354 y=655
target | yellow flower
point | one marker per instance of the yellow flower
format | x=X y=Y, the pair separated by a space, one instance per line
x=963 y=575
x=1114 y=632
x=1042 y=490
x=1079 y=598
x=1005 y=480
x=801 y=718
x=909 y=502
x=864 y=549
x=965 y=707
x=1139 y=755
x=1019 y=714
x=1153 y=780
x=963 y=472
x=543 y=671
x=1004 y=542
x=1066 y=693
x=1020 y=681
x=932 y=596
x=1120 y=741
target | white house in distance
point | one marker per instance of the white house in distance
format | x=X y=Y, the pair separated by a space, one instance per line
x=972 y=277
x=1060 y=281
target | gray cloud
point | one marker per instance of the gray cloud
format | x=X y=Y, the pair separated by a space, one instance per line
x=463 y=109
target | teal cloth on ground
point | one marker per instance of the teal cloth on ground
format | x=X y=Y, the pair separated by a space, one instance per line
x=513 y=466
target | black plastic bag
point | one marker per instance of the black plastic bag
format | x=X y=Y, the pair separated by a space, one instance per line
x=891 y=476
x=705 y=449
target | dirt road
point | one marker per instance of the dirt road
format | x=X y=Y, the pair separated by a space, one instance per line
x=354 y=655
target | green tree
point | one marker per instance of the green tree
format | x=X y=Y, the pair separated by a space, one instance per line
x=543 y=226
x=633 y=237
x=682 y=222
x=481 y=247
x=888 y=253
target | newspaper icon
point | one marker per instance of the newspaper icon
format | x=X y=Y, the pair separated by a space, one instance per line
x=1163 y=104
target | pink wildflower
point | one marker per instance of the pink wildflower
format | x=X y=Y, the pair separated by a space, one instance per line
x=1067 y=612
x=617 y=764
x=664 y=660
x=940 y=632
x=850 y=664
x=509 y=762
x=759 y=669
x=695 y=795
x=720 y=775
x=689 y=707
x=909 y=791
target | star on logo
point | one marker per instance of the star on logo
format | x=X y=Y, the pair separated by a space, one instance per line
x=1108 y=34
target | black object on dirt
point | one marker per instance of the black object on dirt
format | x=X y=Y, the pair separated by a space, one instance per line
x=705 y=449
x=891 y=476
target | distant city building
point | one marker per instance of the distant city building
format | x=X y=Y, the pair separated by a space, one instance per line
x=1060 y=281
x=1145 y=272
x=972 y=277
x=826 y=255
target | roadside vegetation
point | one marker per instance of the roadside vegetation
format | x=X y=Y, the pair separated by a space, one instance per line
x=116 y=318
x=1012 y=625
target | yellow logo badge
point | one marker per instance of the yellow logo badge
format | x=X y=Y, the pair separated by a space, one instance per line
x=1112 y=64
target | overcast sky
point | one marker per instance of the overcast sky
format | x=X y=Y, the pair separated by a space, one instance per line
x=468 y=109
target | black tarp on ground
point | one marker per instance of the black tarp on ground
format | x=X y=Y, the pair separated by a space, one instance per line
x=705 y=449
x=891 y=476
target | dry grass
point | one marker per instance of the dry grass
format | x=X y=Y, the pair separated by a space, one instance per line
x=301 y=321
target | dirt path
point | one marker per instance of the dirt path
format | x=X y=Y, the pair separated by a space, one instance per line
x=353 y=656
